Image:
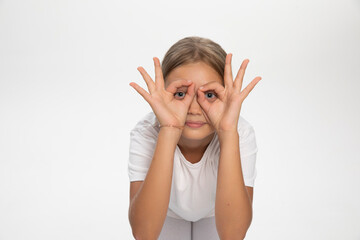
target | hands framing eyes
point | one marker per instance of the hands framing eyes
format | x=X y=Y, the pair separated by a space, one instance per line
x=223 y=112
x=168 y=110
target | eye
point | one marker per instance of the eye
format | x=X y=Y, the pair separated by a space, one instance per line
x=210 y=95
x=180 y=94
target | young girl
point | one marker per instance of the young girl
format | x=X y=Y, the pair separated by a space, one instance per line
x=192 y=160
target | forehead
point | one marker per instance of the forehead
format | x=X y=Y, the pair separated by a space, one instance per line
x=200 y=73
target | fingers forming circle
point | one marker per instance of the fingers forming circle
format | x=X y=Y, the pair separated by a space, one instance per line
x=250 y=87
x=149 y=82
x=159 y=79
x=228 y=77
x=177 y=84
x=214 y=86
x=141 y=91
x=240 y=75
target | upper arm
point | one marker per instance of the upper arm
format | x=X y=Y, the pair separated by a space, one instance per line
x=141 y=151
x=134 y=188
x=248 y=152
x=250 y=191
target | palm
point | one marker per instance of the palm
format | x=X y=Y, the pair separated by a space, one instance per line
x=168 y=110
x=224 y=112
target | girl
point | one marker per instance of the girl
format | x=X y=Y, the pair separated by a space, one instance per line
x=187 y=180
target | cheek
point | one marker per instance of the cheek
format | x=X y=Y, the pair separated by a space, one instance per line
x=211 y=127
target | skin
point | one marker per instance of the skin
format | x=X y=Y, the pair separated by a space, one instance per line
x=194 y=141
x=184 y=97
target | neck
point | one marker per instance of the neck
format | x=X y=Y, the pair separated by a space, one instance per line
x=195 y=146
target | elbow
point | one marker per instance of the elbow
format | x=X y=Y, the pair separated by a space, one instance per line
x=138 y=237
x=238 y=233
x=235 y=233
x=140 y=233
x=143 y=236
x=143 y=233
x=237 y=236
x=241 y=236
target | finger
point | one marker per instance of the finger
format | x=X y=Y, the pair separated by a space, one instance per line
x=250 y=87
x=190 y=94
x=141 y=91
x=204 y=103
x=228 y=77
x=240 y=75
x=159 y=80
x=216 y=87
x=149 y=82
x=175 y=85
x=206 y=116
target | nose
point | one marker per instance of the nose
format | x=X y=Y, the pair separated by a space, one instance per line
x=195 y=108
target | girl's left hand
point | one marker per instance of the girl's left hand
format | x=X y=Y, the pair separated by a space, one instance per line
x=224 y=112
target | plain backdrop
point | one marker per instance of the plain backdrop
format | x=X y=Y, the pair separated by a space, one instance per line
x=66 y=110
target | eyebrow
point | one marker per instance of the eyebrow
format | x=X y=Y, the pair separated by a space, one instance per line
x=182 y=87
x=176 y=79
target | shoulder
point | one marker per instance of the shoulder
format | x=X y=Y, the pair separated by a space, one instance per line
x=245 y=129
x=148 y=126
x=243 y=124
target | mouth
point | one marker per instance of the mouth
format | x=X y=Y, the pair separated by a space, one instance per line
x=194 y=124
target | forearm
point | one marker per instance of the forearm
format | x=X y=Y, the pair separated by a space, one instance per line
x=148 y=209
x=233 y=208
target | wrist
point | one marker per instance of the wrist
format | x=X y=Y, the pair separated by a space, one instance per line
x=172 y=132
x=227 y=131
x=172 y=126
x=229 y=134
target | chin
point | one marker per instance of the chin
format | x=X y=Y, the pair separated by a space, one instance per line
x=197 y=133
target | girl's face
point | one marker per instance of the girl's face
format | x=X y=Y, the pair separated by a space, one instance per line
x=199 y=73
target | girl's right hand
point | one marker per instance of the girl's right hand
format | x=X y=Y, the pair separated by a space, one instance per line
x=168 y=109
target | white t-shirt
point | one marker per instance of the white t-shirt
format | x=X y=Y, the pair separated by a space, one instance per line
x=193 y=188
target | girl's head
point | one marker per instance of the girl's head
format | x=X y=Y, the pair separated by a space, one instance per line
x=201 y=61
x=191 y=50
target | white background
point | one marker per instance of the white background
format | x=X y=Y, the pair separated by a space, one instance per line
x=66 y=110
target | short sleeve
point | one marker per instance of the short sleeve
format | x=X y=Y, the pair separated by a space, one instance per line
x=141 y=151
x=248 y=151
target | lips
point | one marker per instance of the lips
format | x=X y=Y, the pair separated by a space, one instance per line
x=194 y=124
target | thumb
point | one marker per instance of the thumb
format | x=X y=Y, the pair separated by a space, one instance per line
x=204 y=104
x=189 y=95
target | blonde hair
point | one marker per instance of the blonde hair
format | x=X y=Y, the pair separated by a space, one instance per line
x=191 y=50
